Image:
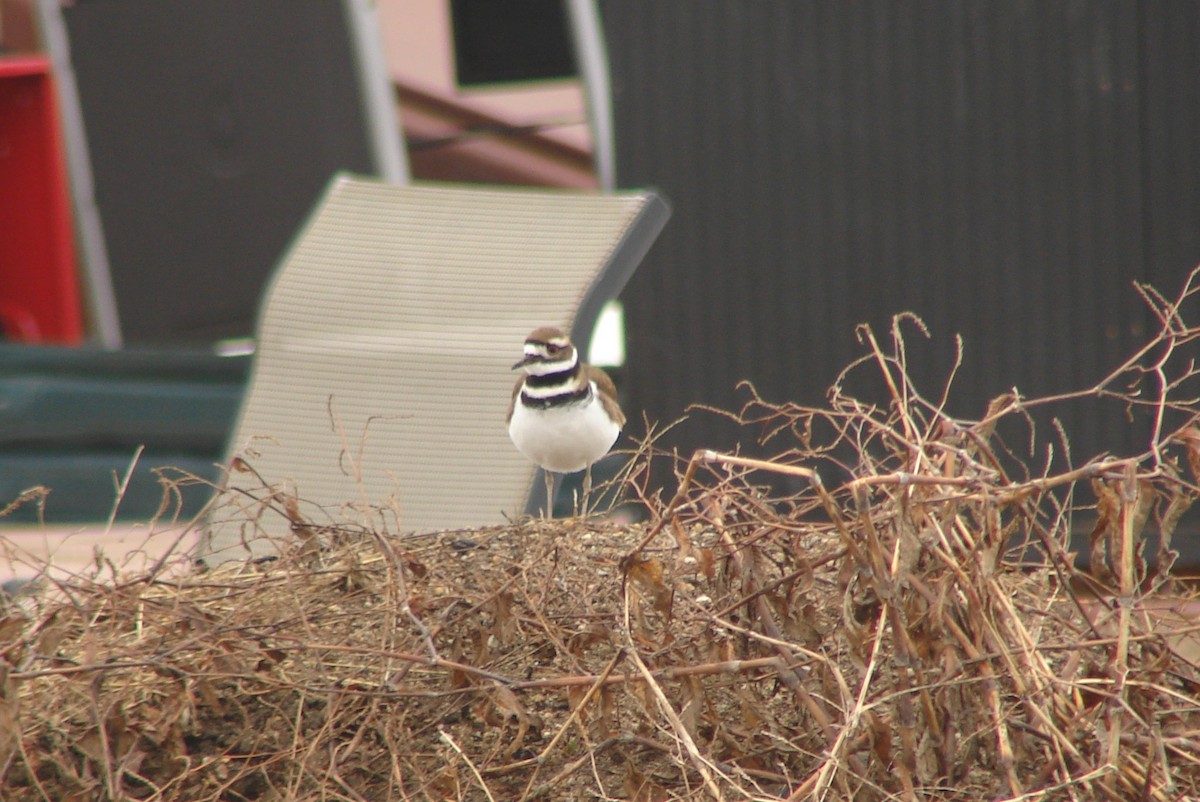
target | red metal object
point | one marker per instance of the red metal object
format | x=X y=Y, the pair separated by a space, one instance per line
x=39 y=287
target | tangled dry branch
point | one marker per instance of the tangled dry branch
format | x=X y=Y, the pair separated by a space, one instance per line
x=921 y=630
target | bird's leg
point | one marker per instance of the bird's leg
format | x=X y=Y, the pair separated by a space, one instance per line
x=549 y=494
x=587 y=490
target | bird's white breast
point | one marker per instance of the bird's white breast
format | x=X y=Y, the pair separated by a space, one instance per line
x=565 y=438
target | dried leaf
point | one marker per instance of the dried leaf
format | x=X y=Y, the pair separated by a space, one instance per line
x=504 y=623
x=648 y=576
x=994 y=409
x=93 y=746
x=11 y=626
x=639 y=788
x=209 y=695
x=1190 y=437
x=799 y=624
x=682 y=539
x=445 y=784
x=803 y=580
x=50 y=635
x=647 y=573
x=510 y=708
x=575 y=696
x=692 y=693
x=592 y=634
x=607 y=722
x=483 y=647
x=291 y=508
x=10 y=714
x=751 y=717
x=415 y=567
x=879 y=735
x=1108 y=510
x=1180 y=502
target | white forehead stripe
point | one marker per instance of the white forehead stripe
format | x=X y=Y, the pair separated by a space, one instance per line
x=538 y=347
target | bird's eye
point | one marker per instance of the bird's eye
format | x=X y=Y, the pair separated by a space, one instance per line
x=551 y=348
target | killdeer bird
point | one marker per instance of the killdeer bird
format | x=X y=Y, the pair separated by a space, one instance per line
x=564 y=414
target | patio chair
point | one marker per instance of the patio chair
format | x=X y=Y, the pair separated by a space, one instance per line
x=381 y=377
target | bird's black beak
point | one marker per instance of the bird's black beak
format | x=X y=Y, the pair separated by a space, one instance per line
x=528 y=359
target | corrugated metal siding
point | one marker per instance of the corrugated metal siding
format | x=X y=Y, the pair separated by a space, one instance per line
x=1170 y=126
x=212 y=127
x=981 y=164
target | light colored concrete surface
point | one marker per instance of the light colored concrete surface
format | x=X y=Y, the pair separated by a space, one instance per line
x=91 y=550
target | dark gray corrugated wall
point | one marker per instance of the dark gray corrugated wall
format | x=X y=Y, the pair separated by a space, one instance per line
x=1170 y=126
x=212 y=129
x=1004 y=170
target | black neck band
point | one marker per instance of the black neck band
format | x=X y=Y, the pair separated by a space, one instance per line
x=562 y=377
x=559 y=400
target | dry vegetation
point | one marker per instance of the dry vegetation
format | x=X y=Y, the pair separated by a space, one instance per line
x=888 y=638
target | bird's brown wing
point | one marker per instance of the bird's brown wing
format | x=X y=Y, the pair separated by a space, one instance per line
x=512 y=402
x=608 y=393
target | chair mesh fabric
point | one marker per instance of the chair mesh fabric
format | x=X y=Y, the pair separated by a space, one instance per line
x=382 y=371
